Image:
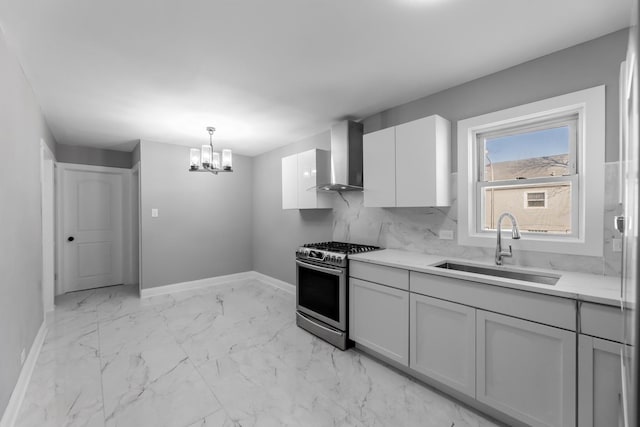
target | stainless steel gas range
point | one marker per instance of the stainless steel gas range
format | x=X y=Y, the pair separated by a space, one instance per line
x=321 y=289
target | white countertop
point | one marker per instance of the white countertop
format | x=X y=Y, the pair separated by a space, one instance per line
x=584 y=287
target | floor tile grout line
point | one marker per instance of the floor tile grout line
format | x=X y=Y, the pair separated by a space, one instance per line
x=206 y=416
x=104 y=413
x=195 y=367
x=222 y=406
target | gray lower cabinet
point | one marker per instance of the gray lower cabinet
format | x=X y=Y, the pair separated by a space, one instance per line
x=526 y=370
x=379 y=319
x=599 y=382
x=442 y=338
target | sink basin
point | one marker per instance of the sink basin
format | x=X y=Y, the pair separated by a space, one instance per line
x=543 y=279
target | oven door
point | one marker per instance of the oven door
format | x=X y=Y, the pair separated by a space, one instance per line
x=322 y=293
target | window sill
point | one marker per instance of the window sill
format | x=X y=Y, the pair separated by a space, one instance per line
x=553 y=244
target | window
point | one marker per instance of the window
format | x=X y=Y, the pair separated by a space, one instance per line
x=544 y=163
x=529 y=160
x=536 y=199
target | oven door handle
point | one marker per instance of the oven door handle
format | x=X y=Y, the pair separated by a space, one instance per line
x=308 y=319
x=333 y=271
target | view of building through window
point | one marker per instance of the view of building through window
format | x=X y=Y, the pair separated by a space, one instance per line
x=511 y=161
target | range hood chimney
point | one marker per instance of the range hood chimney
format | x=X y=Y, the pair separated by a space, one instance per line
x=346 y=158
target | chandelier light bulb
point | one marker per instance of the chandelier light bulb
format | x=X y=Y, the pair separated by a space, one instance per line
x=194 y=156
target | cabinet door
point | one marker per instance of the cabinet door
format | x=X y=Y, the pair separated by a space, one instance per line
x=442 y=337
x=379 y=319
x=290 y=182
x=307 y=179
x=379 y=168
x=599 y=382
x=422 y=162
x=526 y=370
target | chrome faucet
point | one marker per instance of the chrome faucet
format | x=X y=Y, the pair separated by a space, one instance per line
x=515 y=234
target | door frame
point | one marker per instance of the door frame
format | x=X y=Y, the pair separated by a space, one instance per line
x=126 y=217
x=48 y=193
x=134 y=197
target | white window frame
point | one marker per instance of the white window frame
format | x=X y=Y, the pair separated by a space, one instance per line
x=544 y=199
x=588 y=185
x=569 y=118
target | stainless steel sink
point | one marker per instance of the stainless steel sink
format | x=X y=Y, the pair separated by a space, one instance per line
x=544 y=279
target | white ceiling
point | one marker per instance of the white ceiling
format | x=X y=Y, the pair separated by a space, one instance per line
x=268 y=73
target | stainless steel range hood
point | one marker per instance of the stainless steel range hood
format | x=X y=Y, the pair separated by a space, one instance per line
x=346 y=158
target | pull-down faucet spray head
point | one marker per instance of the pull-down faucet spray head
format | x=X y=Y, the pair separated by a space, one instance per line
x=515 y=231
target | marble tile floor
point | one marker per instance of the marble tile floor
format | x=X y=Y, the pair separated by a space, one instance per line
x=229 y=355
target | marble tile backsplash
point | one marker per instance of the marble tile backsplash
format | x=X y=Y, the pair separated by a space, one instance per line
x=417 y=230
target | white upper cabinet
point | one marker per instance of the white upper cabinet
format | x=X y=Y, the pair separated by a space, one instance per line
x=423 y=162
x=379 y=171
x=300 y=173
x=408 y=165
x=308 y=163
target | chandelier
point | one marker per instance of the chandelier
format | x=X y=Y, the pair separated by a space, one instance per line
x=207 y=160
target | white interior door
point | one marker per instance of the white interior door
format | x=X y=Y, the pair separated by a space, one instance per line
x=92 y=228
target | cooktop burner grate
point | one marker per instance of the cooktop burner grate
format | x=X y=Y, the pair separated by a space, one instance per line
x=341 y=247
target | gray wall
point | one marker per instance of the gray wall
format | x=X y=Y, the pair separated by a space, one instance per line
x=276 y=232
x=204 y=224
x=135 y=155
x=94 y=156
x=589 y=64
x=21 y=128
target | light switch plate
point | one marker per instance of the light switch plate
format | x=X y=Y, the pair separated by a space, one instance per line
x=617 y=245
x=446 y=234
x=154 y=213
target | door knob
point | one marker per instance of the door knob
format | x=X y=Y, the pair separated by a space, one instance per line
x=70 y=239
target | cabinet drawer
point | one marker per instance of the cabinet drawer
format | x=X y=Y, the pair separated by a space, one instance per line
x=390 y=276
x=602 y=321
x=550 y=310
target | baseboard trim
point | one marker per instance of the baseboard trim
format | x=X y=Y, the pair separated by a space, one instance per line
x=17 y=397
x=276 y=283
x=194 y=284
x=216 y=281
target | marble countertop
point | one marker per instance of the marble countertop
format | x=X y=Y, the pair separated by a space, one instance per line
x=584 y=287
